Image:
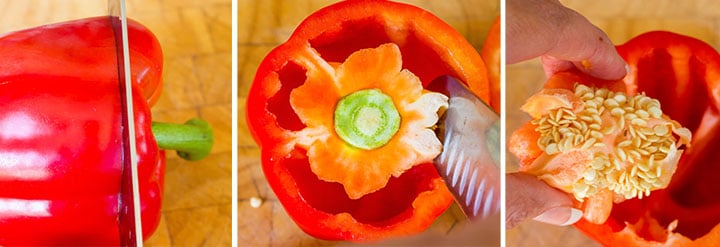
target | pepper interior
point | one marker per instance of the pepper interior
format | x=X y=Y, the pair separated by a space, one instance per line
x=692 y=195
x=393 y=202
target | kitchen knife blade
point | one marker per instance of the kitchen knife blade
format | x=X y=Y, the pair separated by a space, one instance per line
x=129 y=202
x=469 y=162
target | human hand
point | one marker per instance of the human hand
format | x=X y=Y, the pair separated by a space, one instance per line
x=528 y=197
x=561 y=37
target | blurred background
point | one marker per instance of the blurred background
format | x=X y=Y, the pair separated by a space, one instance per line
x=264 y=25
x=621 y=20
x=196 y=41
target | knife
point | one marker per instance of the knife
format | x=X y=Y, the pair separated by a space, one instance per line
x=129 y=202
x=469 y=162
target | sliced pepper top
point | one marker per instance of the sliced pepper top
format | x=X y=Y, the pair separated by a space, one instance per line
x=612 y=140
x=366 y=119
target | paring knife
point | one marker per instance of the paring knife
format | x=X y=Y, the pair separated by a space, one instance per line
x=469 y=162
x=130 y=219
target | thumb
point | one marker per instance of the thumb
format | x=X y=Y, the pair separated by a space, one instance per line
x=528 y=197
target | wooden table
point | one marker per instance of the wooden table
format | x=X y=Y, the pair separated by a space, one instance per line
x=621 y=20
x=196 y=41
x=262 y=26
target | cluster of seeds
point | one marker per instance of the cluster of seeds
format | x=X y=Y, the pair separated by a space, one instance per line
x=634 y=127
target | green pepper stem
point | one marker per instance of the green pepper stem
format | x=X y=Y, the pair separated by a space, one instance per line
x=192 y=140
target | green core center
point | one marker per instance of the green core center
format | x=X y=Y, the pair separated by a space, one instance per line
x=366 y=119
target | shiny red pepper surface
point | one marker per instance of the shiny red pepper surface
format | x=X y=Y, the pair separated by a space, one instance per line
x=61 y=133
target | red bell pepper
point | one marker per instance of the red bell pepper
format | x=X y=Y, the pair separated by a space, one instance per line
x=311 y=99
x=683 y=74
x=61 y=145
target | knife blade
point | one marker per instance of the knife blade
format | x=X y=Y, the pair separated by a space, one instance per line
x=129 y=202
x=469 y=162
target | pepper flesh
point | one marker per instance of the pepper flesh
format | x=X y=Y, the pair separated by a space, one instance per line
x=683 y=73
x=60 y=133
x=410 y=200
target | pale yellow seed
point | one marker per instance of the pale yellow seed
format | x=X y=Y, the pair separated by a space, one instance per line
x=586 y=118
x=643 y=101
x=638 y=121
x=588 y=143
x=624 y=143
x=653 y=139
x=636 y=142
x=642 y=114
x=633 y=171
x=591 y=104
x=644 y=166
x=551 y=148
x=617 y=112
x=590 y=175
x=661 y=130
x=620 y=98
x=617 y=164
x=621 y=154
x=552 y=122
x=609 y=129
x=577 y=140
x=611 y=103
x=655 y=112
x=558 y=115
x=641 y=135
x=630 y=116
x=664 y=149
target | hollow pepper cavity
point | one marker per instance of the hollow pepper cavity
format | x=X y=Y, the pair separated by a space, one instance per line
x=345 y=125
x=61 y=133
x=680 y=75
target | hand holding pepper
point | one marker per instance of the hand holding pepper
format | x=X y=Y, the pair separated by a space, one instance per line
x=564 y=40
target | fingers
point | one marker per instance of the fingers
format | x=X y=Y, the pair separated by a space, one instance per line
x=588 y=48
x=528 y=197
x=546 y=28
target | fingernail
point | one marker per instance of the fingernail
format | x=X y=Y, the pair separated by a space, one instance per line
x=561 y=216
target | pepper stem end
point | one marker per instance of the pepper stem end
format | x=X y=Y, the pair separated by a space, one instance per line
x=192 y=140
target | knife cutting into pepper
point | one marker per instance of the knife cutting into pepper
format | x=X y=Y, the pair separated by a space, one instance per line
x=62 y=148
x=469 y=162
x=130 y=218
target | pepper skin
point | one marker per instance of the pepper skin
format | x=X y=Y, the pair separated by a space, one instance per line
x=61 y=133
x=87 y=45
x=338 y=36
x=683 y=73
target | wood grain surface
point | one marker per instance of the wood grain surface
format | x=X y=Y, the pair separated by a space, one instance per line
x=196 y=41
x=621 y=20
x=264 y=25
